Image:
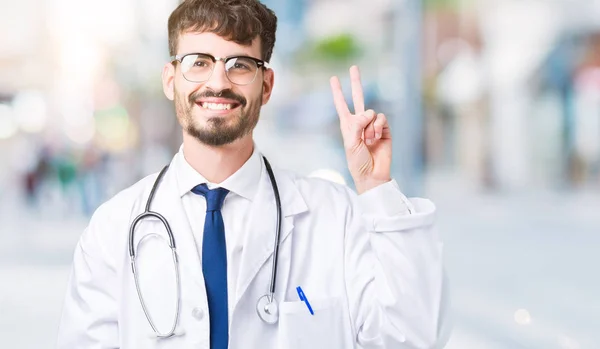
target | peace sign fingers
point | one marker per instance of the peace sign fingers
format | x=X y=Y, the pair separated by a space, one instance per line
x=357 y=92
x=338 y=98
x=366 y=135
x=353 y=125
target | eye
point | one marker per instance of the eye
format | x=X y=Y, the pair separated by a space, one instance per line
x=202 y=61
x=241 y=66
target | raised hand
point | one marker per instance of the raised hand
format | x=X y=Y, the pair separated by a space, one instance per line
x=366 y=134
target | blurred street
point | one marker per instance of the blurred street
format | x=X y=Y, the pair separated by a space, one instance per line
x=523 y=270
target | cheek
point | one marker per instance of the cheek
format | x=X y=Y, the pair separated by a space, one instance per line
x=253 y=94
x=183 y=88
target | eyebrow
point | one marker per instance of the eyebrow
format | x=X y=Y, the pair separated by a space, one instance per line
x=246 y=54
x=240 y=54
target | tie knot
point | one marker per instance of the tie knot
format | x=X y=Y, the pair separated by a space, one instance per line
x=214 y=197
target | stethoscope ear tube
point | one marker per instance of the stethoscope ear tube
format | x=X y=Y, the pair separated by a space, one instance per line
x=147 y=213
x=171 y=332
x=154 y=187
x=132 y=254
x=138 y=219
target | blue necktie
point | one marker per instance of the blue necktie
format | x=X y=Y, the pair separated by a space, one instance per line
x=214 y=265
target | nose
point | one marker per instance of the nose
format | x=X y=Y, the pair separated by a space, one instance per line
x=218 y=80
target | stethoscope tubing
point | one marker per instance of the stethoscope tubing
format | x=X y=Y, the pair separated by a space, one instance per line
x=278 y=231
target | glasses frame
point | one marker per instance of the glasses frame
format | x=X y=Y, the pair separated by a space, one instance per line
x=259 y=63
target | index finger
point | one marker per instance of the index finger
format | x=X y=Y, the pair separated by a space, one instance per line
x=357 y=91
x=338 y=97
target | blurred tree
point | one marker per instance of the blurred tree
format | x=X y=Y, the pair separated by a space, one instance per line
x=336 y=48
x=333 y=50
x=444 y=4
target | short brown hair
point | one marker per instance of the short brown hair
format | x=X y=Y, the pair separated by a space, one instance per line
x=240 y=21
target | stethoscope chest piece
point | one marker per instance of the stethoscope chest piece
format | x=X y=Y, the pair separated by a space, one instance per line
x=267 y=309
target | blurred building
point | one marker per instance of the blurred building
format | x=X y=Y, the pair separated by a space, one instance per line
x=508 y=87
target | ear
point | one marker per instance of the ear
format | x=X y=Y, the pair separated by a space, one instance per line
x=168 y=80
x=268 y=81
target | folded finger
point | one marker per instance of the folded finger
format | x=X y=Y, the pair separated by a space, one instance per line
x=369 y=130
x=379 y=124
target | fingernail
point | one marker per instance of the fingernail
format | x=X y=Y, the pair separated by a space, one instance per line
x=369 y=141
x=377 y=135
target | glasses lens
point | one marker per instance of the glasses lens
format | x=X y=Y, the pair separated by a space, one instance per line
x=197 y=67
x=240 y=70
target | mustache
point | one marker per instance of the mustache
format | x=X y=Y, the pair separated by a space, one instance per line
x=227 y=93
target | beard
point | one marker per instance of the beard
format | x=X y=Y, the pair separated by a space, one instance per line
x=218 y=131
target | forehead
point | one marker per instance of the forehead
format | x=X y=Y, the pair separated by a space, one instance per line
x=215 y=45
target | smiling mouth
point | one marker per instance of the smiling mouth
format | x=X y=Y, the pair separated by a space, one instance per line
x=218 y=106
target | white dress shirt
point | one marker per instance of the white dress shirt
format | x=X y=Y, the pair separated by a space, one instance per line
x=242 y=186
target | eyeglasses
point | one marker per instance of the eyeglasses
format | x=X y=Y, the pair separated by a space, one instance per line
x=198 y=67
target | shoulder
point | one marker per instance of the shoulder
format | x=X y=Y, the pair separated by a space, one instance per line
x=124 y=203
x=106 y=232
x=321 y=192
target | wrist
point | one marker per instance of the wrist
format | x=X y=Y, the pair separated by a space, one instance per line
x=364 y=185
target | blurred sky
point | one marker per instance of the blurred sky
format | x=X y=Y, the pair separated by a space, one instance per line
x=494 y=105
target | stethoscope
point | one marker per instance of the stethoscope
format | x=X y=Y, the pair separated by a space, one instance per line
x=266 y=307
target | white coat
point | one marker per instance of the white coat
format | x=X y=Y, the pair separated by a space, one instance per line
x=374 y=281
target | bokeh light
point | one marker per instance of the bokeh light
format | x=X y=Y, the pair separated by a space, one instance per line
x=522 y=317
x=8 y=124
x=30 y=111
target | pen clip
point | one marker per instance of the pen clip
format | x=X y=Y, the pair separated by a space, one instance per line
x=304 y=299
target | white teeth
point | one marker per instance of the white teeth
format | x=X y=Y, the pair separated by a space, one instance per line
x=216 y=106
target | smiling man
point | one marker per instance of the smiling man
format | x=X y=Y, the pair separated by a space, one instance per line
x=221 y=250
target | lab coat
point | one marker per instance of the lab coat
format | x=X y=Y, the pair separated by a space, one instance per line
x=372 y=273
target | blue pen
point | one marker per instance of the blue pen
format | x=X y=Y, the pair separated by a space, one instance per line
x=304 y=299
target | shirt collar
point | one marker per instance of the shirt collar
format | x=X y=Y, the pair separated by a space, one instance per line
x=243 y=182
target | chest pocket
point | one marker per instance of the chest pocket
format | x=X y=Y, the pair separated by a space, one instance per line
x=328 y=328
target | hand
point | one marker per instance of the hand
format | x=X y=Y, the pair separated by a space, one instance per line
x=367 y=136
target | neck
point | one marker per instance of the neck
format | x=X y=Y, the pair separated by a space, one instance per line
x=216 y=164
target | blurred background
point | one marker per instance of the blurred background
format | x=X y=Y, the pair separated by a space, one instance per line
x=494 y=106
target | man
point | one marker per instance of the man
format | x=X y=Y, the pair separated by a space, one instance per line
x=360 y=271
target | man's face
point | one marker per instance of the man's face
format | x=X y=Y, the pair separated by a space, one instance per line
x=216 y=112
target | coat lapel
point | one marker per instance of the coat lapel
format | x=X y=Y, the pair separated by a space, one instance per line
x=260 y=240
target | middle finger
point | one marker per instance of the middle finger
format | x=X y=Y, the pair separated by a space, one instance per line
x=357 y=91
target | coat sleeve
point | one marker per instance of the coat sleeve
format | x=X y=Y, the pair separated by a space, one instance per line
x=89 y=316
x=394 y=271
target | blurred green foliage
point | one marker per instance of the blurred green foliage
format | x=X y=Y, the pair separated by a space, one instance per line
x=330 y=50
x=443 y=4
x=336 y=48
